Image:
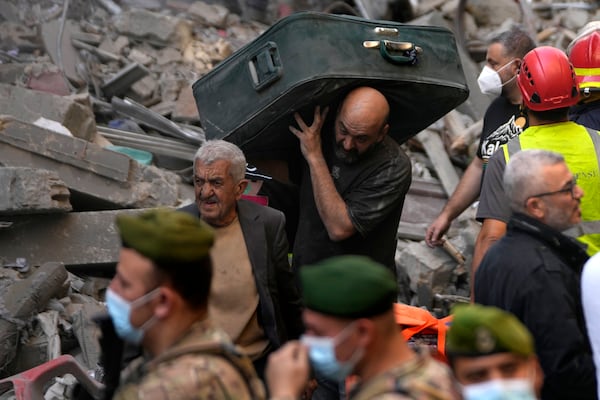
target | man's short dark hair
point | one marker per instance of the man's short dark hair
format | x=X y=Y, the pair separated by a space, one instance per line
x=190 y=279
x=516 y=40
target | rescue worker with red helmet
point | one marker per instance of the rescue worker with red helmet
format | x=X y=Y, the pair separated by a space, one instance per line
x=584 y=54
x=549 y=88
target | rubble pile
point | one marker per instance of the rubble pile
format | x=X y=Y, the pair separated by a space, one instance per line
x=97 y=118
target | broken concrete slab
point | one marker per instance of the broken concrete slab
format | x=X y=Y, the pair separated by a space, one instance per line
x=24 y=299
x=111 y=6
x=88 y=170
x=120 y=83
x=425 y=199
x=209 y=14
x=145 y=88
x=103 y=56
x=86 y=242
x=425 y=266
x=14 y=35
x=9 y=73
x=434 y=148
x=185 y=108
x=168 y=55
x=69 y=57
x=28 y=105
x=140 y=57
x=45 y=77
x=84 y=328
x=158 y=29
x=493 y=12
x=115 y=46
x=93 y=39
x=32 y=191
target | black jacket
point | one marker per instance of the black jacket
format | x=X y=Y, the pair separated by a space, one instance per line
x=534 y=272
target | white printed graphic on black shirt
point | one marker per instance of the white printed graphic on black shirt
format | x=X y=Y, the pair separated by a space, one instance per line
x=503 y=134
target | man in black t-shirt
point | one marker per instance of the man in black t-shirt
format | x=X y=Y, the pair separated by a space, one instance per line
x=353 y=184
x=503 y=120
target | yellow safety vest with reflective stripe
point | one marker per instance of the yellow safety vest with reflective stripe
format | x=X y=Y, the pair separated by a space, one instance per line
x=580 y=147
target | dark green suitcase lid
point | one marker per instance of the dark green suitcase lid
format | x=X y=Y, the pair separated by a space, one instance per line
x=250 y=97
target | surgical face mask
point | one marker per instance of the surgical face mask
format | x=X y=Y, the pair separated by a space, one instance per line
x=500 y=389
x=489 y=81
x=120 y=309
x=321 y=352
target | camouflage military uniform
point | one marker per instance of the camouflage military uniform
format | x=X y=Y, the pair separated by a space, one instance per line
x=420 y=379
x=202 y=365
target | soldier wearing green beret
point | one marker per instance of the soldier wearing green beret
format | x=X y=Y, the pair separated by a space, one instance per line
x=351 y=330
x=158 y=299
x=492 y=354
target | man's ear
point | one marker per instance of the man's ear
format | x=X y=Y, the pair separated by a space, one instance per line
x=538 y=378
x=241 y=188
x=366 y=331
x=384 y=131
x=516 y=65
x=535 y=207
x=167 y=302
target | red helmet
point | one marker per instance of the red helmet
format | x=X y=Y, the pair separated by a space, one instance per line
x=547 y=80
x=585 y=57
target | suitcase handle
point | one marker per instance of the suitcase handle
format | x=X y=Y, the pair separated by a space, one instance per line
x=265 y=66
x=408 y=50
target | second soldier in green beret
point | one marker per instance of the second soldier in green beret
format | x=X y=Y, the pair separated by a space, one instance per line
x=351 y=330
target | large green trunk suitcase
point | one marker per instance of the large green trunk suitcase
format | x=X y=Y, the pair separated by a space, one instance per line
x=315 y=58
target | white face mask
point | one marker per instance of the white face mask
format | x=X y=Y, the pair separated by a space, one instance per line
x=489 y=81
x=500 y=389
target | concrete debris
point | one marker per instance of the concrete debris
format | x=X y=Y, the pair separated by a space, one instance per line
x=45 y=77
x=185 y=109
x=34 y=191
x=24 y=299
x=92 y=238
x=64 y=56
x=493 y=13
x=209 y=14
x=434 y=148
x=29 y=105
x=119 y=73
x=160 y=30
x=104 y=175
x=122 y=81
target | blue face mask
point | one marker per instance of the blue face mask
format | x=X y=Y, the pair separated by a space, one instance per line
x=321 y=352
x=120 y=309
x=500 y=389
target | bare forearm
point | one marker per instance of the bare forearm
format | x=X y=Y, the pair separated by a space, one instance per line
x=467 y=190
x=465 y=193
x=330 y=205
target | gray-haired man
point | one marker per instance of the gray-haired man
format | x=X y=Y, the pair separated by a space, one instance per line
x=253 y=296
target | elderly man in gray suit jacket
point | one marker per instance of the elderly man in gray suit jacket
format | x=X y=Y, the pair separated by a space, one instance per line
x=253 y=297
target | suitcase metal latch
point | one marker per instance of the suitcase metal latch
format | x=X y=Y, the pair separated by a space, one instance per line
x=404 y=52
x=265 y=66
